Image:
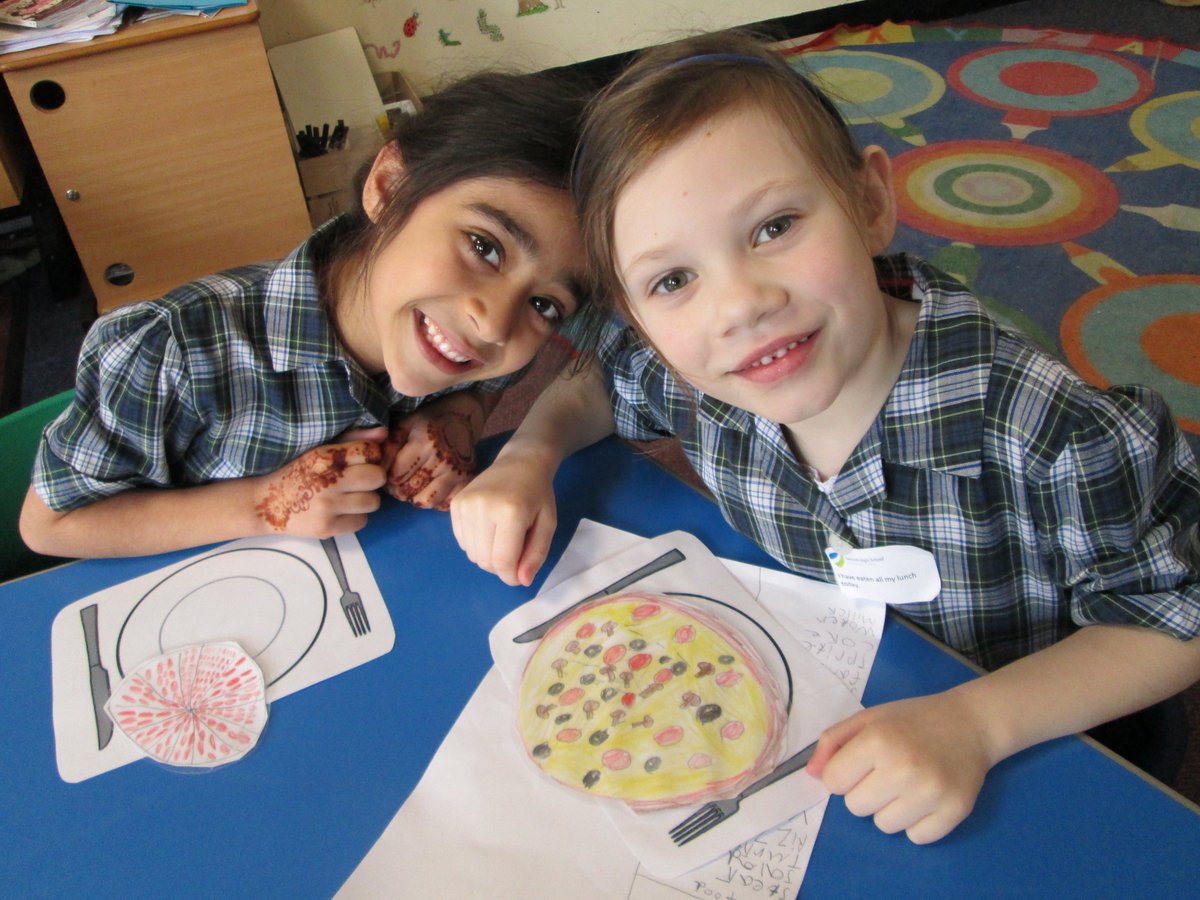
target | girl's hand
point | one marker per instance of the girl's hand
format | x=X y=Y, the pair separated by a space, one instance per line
x=915 y=765
x=504 y=520
x=430 y=454
x=328 y=490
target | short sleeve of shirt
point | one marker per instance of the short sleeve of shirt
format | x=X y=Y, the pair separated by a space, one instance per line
x=130 y=393
x=1119 y=506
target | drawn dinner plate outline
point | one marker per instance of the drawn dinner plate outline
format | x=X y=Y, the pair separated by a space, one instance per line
x=273 y=575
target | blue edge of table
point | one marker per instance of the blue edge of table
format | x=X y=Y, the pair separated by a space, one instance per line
x=337 y=760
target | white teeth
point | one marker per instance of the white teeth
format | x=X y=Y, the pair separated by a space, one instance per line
x=435 y=336
x=778 y=354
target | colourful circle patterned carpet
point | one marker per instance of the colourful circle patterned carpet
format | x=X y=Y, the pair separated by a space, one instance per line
x=1057 y=174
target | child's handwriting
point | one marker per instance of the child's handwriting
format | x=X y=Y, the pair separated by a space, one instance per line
x=771 y=865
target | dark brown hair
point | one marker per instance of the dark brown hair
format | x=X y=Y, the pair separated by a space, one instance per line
x=487 y=125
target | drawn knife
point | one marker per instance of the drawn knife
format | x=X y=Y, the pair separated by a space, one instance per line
x=98 y=675
x=670 y=558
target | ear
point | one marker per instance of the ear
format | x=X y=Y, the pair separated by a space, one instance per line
x=878 y=200
x=386 y=172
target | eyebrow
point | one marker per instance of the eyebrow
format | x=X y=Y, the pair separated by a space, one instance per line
x=742 y=207
x=522 y=236
x=509 y=224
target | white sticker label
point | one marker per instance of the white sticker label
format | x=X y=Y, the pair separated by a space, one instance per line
x=893 y=574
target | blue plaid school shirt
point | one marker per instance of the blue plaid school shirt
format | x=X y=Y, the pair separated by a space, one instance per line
x=232 y=375
x=1047 y=504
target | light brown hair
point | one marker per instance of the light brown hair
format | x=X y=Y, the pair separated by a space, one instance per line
x=671 y=90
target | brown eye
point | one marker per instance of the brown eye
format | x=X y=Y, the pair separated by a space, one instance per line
x=486 y=248
x=547 y=308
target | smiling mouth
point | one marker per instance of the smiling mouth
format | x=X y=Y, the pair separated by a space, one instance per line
x=439 y=342
x=776 y=355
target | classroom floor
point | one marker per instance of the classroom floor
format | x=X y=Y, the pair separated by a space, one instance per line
x=42 y=324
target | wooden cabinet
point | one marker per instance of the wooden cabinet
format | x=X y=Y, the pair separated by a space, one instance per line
x=166 y=150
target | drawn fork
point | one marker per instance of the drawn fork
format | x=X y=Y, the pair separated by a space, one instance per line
x=352 y=604
x=713 y=813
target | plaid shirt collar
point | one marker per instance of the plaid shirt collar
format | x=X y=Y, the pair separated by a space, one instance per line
x=299 y=330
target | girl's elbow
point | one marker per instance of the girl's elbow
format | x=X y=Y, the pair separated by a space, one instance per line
x=36 y=526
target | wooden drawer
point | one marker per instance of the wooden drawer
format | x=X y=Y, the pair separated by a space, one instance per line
x=168 y=159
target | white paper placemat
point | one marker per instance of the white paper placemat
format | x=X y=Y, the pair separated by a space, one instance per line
x=278 y=597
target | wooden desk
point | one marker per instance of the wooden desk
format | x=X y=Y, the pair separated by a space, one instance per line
x=165 y=148
x=294 y=818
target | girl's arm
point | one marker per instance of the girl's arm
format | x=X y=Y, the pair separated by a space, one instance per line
x=504 y=520
x=917 y=765
x=328 y=490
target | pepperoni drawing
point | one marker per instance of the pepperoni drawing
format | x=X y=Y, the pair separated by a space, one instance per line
x=569 y=696
x=614 y=654
x=198 y=706
x=673 y=734
x=616 y=759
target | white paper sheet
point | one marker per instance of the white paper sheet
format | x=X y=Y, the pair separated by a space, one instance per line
x=471 y=809
x=817 y=698
x=278 y=597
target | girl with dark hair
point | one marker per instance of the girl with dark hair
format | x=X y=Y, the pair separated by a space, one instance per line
x=271 y=398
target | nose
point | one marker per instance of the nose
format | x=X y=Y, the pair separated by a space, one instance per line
x=743 y=297
x=496 y=315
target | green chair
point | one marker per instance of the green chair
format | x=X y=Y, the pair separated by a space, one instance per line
x=20 y=433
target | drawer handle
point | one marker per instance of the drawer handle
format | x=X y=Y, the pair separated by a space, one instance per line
x=47 y=95
x=73 y=195
x=118 y=274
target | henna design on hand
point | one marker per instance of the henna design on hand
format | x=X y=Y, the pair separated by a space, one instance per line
x=453 y=439
x=293 y=491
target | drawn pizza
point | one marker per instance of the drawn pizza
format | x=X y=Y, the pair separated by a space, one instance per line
x=651 y=700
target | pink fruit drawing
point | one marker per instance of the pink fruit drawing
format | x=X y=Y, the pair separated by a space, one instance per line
x=198 y=706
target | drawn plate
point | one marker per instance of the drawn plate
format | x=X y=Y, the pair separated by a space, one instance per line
x=271 y=602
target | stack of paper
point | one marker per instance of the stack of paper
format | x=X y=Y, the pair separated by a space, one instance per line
x=25 y=24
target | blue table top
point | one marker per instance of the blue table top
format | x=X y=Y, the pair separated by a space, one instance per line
x=337 y=760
